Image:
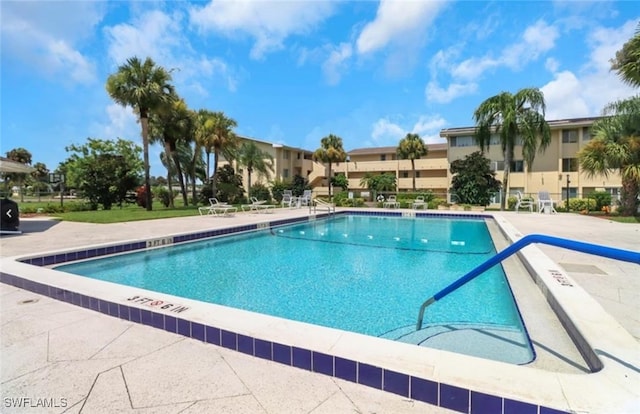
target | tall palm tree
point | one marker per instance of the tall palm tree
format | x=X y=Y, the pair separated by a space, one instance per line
x=412 y=147
x=214 y=133
x=616 y=147
x=627 y=60
x=255 y=159
x=513 y=117
x=145 y=87
x=330 y=151
x=171 y=124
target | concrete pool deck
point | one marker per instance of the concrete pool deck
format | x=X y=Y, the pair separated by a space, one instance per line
x=54 y=350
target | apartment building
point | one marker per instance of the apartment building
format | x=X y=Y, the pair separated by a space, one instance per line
x=431 y=170
x=555 y=170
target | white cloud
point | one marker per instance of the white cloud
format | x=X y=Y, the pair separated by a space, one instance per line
x=586 y=92
x=536 y=40
x=336 y=63
x=47 y=35
x=120 y=122
x=386 y=132
x=268 y=22
x=153 y=34
x=161 y=37
x=395 y=20
x=552 y=64
x=435 y=93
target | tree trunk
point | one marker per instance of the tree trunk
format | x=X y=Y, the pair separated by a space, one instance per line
x=183 y=187
x=505 y=180
x=413 y=170
x=628 y=202
x=329 y=182
x=249 y=182
x=144 y=121
x=169 y=155
x=213 y=176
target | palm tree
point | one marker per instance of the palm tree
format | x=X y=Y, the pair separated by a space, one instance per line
x=330 y=151
x=513 y=117
x=412 y=147
x=616 y=147
x=145 y=87
x=171 y=124
x=214 y=133
x=627 y=60
x=255 y=159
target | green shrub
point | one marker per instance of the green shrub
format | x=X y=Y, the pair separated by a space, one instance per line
x=581 y=204
x=602 y=198
x=77 y=206
x=434 y=203
x=511 y=202
x=261 y=192
x=162 y=194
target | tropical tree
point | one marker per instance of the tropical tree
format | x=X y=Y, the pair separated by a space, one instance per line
x=145 y=87
x=255 y=159
x=412 y=147
x=473 y=181
x=330 y=151
x=378 y=183
x=616 y=147
x=104 y=171
x=214 y=133
x=513 y=117
x=627 y=60
x=171 y=124
x=22 y=156
x=40 y=175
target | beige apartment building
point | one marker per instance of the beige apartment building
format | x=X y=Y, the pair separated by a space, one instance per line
x=552 y=169
x=556 y=170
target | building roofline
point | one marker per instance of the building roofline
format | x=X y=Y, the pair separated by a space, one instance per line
x=446 y=132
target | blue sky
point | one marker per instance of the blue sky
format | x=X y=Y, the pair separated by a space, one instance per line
x=293 y=72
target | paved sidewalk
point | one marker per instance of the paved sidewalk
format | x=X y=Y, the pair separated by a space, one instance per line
x=82 y=361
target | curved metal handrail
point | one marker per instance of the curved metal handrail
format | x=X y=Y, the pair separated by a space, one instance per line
x=604 y=251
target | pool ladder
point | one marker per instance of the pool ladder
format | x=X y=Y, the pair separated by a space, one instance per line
x=597 y=250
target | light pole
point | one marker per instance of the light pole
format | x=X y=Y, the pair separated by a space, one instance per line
x=568 y=182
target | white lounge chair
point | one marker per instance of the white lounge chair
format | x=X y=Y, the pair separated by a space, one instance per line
x=321 y=204
x=217 y=208
x=419 y=203
x=546 y=203
x=287 y=198
x=391 y=202
x=258 y=206
x=523 y=202
x=305 y=199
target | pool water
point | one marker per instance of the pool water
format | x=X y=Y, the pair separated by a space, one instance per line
x=363 y=274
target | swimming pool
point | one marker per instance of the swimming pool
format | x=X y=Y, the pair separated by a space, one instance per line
x=362 y=274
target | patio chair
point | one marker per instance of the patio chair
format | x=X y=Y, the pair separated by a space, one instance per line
x=546 y=203
x=419 y=203
x=217 y=208
x=305 y=199
x=287 y=198
x=523 y=202
x=391 y=202
x=259 y=206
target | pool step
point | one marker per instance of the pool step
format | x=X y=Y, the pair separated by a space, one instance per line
x=486 y=341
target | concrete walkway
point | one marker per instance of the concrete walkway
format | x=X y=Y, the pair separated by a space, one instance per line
x=70 y=359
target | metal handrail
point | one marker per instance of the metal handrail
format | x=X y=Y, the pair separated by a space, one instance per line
x=604 y=251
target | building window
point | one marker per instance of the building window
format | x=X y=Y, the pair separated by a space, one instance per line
x=569 y=164
x=462 y=141
x=586 y=134
x=286 y=155
x=285 y=173
x=383 y=157
x=517 y=166
x=573 y=193
x=405 y=174
x=569 y=136
x=299 y=155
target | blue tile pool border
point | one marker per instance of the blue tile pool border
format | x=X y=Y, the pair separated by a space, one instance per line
x=421 y=389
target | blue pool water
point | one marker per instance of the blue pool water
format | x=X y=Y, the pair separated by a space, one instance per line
x=363 y=274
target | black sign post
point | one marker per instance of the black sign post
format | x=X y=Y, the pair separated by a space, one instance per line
x=55 y=178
